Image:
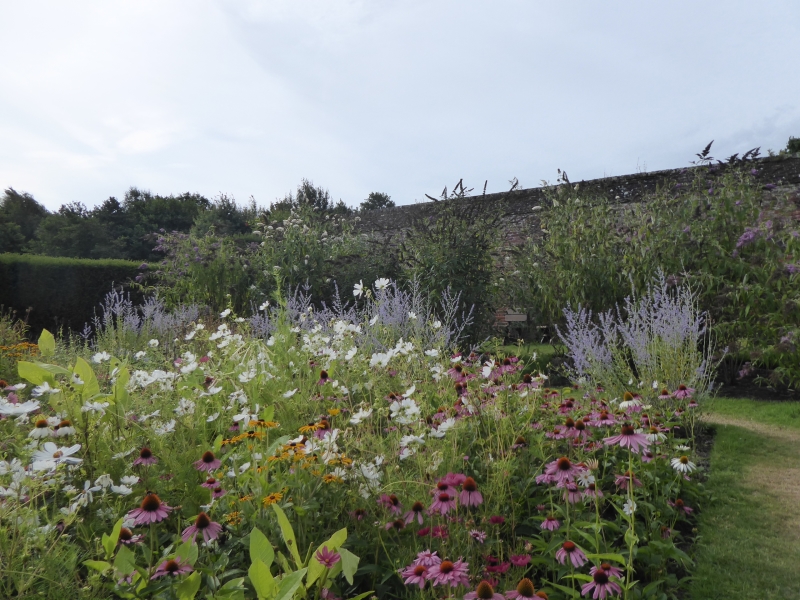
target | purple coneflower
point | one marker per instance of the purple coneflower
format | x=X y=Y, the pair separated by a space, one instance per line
x=497 y=520
x=208 y=462
x=470 y=496
x=624 y=479
x=427 y=558
x=152 y=510
x=478 y=535
x=600 y=584
x=210 y=483
x=484 y=591
x=145 y=457
x=679 y=505
x=562 y=470
x=450 y=573
x=203 y=524
x=628 y=438
x=397 y=524
x=415 y=513
x=415 y=575
x=127 y=538
x=440 y=531
x=569 y=552
x=520 y=560
x=572 y=493
x=592 y=491
x=327 y=558
x=524 y=590
x=358 y=514
x=550 y=523
x=683 y=392
x=218 y=492
x=391 y=502
x=442 y=504
x=173 y=567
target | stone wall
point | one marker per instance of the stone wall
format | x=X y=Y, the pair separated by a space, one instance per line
x=520 y=208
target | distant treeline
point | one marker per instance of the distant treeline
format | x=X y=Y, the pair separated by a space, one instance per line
x=125 y=229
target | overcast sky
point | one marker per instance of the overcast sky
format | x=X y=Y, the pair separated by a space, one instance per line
x=402 y=97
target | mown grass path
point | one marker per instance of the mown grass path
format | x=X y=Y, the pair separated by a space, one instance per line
x=749 y=545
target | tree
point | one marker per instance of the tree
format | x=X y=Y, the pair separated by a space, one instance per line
x=376 y=201
x=23 y=210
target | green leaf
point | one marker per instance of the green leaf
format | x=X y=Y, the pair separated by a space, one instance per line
x=268 y=414
x=110 y=541
x=315 y=568
x=187 y=589
x=262 y=579
x=362 y=596
x=47 y=343
x=579 y=576
x=261 y=548
x=288 y=534
x=349 y=564
x=289 y=584
x=84 y=371
x=33 y=372
x=125 y=562
x=121 y=388
x=98 y=565
x=601 y=557
x=233 y=589
x=569 y=591
x=187 y=551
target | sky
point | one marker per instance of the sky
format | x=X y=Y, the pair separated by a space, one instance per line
x=404 y=97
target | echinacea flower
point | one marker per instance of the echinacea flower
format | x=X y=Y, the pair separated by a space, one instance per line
x=600 y=584
x=442 y=504
x=679 y=505
x=152 y=510
x=520 y=560
x=561 y=471
x=172 y=567
x=484 y=591
x=625 y=479
x=50 y=456
x=415 y=575
x=327 y=558
x=683 y=392
x=550 y=523
x=628 y=438
x=470 y=496
x=478 y=535
x=571 y=553
x=415 y=513
x=427 y=558
x=450 y=573
x=683 y=464
x=41 y=429
x=391 y=502
x=127 y=538
x=208 y=462
x=203 y=524
x=145 y=457
x=525 y=590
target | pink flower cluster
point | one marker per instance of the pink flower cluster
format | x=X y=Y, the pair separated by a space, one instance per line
x=428 y=566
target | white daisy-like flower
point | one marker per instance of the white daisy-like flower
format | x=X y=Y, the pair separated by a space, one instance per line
x=153 y=343
x=129 y=480
x=122 y=490
x=682 y=464
x=224 y=313
x=165 y=428
x=373 y=320
x=43 y=389
x=189 y=335
x=351 y=353
x=585 y=478
x=101 y=357
x=432 y=352
x=290 y=393
x=437 y=325
x=381 y=284
x=264 y=306
x=360 y=416
x=358 y=289
x=629 y=507
x=682 y=448
x=407 y=440
x=412 y=315
x=139 y=355
x=123 y=454
x=95 y=407
x=51 y=456
x=212 y=418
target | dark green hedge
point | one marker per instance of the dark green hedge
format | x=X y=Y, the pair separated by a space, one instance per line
x=60 y=292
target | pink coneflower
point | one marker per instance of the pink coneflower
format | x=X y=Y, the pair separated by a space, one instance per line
x=497 y=520
x=218 y=492
x=572 y=493
x=450 y=573
x=628 y=438
x=693 y=403
x=470 y=496
x=440 y=531
x=647 y=456
x=397 y=525
x=323 y=377
x=623 y=480
x=664 y=395
x=562 y=470
x=592 y=491
x=501 y=568
x=145 y=457
x=550 y=523
x=208 y=462
x=415 y=513
x=203 y=524
x=445 y=487
x=453 y=479
x=152 y=510
x=210 y=483
x=127 y=538
x=525 y=590
x=520 y=560
x=679 y=505
x=172 y=567
x=601 y=585
x=327 y=558
x=358 y=514
x=427 y=558
x=478 y=535
x=391 y=502
x=683 y=392
x=608 y=568
x=603 y=418
x=484 y=591
x=442 y=504
x=569 y=552
x=415 y=575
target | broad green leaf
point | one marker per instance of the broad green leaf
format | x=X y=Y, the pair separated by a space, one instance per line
x=84 y=371
x=349 y=564
x=579 y=576
x=187 y=589
x=289 y=584
x=262 y=579
x=615 y=557
x=121 y=388
x=187 y=551
x=47 y=343
x=569 y=591
x=288 y=534
x=315 y=568
x=268 y=413
x=261 y=548
x=98 y=565
x=233 y=589
x=110 y=541
x=33 y=372
x=125 y=562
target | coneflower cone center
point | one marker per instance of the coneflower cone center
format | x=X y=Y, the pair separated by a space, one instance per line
x=446 y=567
x=145 y=453
x=208 y=456
x=418 y=507
x=600 y=577
x=420 y=570
x=485 y=591
x=628 y=429
x=569 y=547
x=41 y=423
x=394 y=500
x=151 y=503
x=444 y=497
x=469 y=485
x=172 y=566
x=564 y=464
x=125 y=534
x=202 y=521
x=569 y=423
x=525 y=588
x=684 y=460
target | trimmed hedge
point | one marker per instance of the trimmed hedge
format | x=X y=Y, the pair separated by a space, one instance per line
x=60 y=292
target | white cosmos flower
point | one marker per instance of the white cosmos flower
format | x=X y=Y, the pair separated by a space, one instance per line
x=290 y=393
x=43 y=389
x=264 y=306
x=129 y=480
x=140 y=354
x=436 y=372
x=358 y=289
x=407 y=451
x=185 y=407
x=153 y=343
x=165 y=428
x=189 y=335
x=247 y=376
x=433 y=352
x=122 y=490
x=224 y=313
x=51 y=455
x=437 y=325
x=407 y=440
x=410 y=391
x=412 y=315
x=351 y=353
x=360 y=416
x=104 y=481
x=212 y=418
x=381 y=284
x=487 y=369
x=95 y=407
x=373 y=320
x=682 y=464
x=629 y=507
x=101 y=357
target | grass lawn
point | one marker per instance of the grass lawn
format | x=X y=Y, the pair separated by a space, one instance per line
x=749 y=544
